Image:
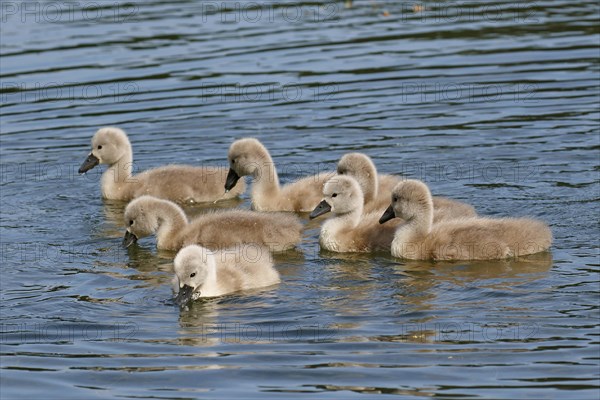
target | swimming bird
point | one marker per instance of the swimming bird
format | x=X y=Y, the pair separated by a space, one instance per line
x=149 y=215
x=179 y=183
x=377 y=188
x=200 y=272
x=349 y=230
x=249 y=157
x=473 y=238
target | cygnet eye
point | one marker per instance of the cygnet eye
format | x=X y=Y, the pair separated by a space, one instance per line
x=193 y=274
x=341 y=172
x=100 y=147
x=334 y=195
x=130 y=222
x=233 y=161
x=394 y=199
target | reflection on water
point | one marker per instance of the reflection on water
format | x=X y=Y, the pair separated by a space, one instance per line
x=509 y=272
x=113 y=212
x=493 y=103
x=199 y=324
x=145 y=259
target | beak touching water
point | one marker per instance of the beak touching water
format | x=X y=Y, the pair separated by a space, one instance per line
x=184 y=296
x=129 y=239
x=322 y=208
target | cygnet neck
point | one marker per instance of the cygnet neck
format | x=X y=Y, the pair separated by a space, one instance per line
x=117 y=178
x=209 y=287
x=368 y=181
x=422 y=223
x=370 y=190
x=266 y=180
x=352 y=218
x=171 y=220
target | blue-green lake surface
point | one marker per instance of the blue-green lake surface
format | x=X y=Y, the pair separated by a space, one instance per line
x=493 y=103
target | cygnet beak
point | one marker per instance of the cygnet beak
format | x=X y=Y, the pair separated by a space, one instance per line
x=387 y=215
x=232 y=178
x=90 y=162
x=184 y=296
x=322 y=208
x=129 y=239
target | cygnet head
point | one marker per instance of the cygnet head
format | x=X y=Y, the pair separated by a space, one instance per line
x=140 y=219
x=341 y=195
x=109 y=145
x=193 y=266
x=245 y=156
x=360 y=167
x=410 y=199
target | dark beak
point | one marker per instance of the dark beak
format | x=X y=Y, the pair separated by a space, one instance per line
x=232 y=178
x=129 y=239
x=184 y=296
x=90 y=162
x=387 y=215
x=322 y=208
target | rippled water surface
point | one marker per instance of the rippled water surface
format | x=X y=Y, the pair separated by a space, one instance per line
x=494 y=103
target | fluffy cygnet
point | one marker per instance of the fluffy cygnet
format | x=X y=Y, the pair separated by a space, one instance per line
x=200 y=272
x=180 y=183
x=377 y=188
x=473 y=238
x=349 y=230
x=249 y=157
x=147 y=215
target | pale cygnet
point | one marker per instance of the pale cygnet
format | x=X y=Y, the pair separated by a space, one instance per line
x=148 y=215
x=377 y=188
x=349 y=230
x=200 y=272
x=473 y=238
x=180 y=183
x=249 y=157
